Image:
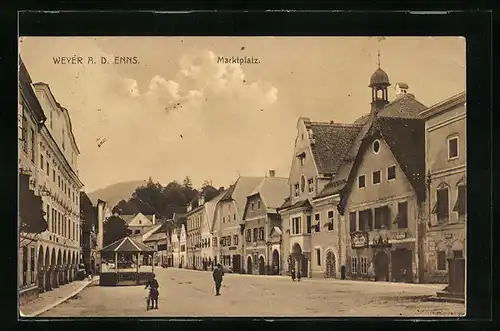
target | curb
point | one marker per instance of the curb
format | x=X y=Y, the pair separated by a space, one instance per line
x=330 y=280
x=60 y=301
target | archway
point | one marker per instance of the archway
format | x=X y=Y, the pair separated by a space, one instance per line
x=381 y=267
x=59 y=266
x=65 y=268
x=298 y=260
x=276 y=262
x=53 y=268
x=249 y=265
x=40 y=268
x=71 y=265
x=331 y=265
x=262 y=265
x=46 y=283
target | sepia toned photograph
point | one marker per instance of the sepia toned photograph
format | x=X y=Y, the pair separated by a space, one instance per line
x=242 y=177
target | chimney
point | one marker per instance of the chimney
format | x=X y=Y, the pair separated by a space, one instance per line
x=272 y=173
x=401 y=89
x=154 y=219
x=221 y=189
x=201 y=200
x=332 y=122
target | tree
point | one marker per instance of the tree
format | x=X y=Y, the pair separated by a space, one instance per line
x=115 y=228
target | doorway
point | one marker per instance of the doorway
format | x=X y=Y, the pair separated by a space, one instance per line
x=249 y=265
x=330 y=265
x=237 y=263
x=262 y=266
x=381 y=267
x=402 y=265
x=276 y=262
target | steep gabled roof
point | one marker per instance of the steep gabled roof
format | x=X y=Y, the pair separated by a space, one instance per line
x=210 y=210
x=330 y=142
x=406 y=140
x=239 y=191
x=273 y=191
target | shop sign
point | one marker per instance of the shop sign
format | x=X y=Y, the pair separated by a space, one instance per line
x=400 y=235
x=380 y=242
x=359 y=240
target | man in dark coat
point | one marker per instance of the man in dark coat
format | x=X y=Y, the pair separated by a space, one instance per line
x=217 y=274
x=153 y=292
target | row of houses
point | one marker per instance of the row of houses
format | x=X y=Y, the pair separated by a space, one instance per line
x=382 y=198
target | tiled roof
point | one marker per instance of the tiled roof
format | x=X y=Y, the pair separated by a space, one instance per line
x=406 y=139
x=298 y=204
x=404 y=106
x=126 y=245
x=240 y=190
x=157 y=236
x=331 y=142
x=273 y=191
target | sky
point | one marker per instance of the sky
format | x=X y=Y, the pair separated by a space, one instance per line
x=228 y=119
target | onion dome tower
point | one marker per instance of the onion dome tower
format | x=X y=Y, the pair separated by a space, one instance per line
x=379 y=82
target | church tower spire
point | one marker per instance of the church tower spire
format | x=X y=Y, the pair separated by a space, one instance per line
x=379 y=82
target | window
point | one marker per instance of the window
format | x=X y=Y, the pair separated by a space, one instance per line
x=354 y=265
x=32 y=265
x=365 y=220
x=54 y=176
x=214 y=241
x=391 y=173
x=63 y=140
x=32 y=145
x=53 y=229
x=296 y=189
x=253 y=207
x=317 y=221
x=262 y=233
x=296 y=225
x=352 y=222
x=376 y=146
x=382 y=220
x=310 y=184
x=402 y=215
x=302 y=158
x=361 y=181
x=318 y=256
x=58 y=223
x=24 y=131
x=461 y=204
x=234 y=217
x=442 y=207
x=452 y=148
x=59 y=181
x=363 y=265
x=249 y=235
x=258 y=206
x=308 y=223
x=47 y=168
x=228 y=238
x=25 y=266
x=330 y=220
x=458 y=254
x=376 y=177
x=441 y=260
x=255 y=234
x=235 y=239
x=41 y=161
x=303 y=183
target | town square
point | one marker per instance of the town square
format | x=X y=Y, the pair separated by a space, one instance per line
x=199 y=187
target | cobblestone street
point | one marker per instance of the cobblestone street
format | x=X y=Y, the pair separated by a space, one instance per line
x=191 y=293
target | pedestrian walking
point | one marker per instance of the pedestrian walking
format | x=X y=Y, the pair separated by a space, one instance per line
x=217 y=274
x=153 y=293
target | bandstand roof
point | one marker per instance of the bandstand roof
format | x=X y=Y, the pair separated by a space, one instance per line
x=127 y=245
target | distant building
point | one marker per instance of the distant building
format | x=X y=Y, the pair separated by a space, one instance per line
x=262 y=226
x=139 y=223
x=446 y=169
x=228 y=222
x=179 y=246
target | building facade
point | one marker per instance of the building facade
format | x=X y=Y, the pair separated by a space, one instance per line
x=262 y=252
x=446 y=169
x=318 y=153
x=179 y=252
x=229 y=225
x=31 y=218
x=193 y=241
x=49 y=149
